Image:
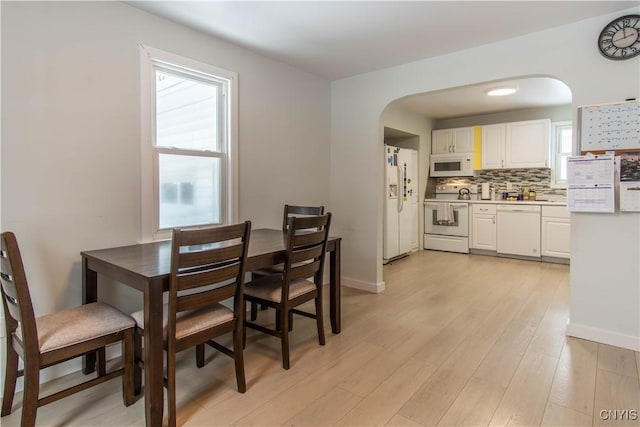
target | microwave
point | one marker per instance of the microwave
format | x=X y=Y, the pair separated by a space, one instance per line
x=451 y=164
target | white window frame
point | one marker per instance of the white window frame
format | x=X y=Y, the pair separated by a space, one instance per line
x=149 y=154
x=556 y=182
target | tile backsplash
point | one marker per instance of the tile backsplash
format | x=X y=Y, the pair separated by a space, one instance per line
x=538 y=179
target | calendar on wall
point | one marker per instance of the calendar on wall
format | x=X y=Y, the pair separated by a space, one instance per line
x=608 y=127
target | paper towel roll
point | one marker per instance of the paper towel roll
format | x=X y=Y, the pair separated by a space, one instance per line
x=485 y=191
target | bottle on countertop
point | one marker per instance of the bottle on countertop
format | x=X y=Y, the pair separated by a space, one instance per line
x=532 y=194
x=493 y=193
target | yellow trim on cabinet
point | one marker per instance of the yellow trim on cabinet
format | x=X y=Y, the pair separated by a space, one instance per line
x=477 y=147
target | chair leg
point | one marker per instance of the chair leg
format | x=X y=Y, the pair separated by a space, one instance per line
x=238 y=357
x=171 y=388
x=244 y=336
x=200 y=355
x=30 y=394
x=10 y=376
x=128 y=361
x=290 y=321
x=102 y=362
x=284 y=337
x=320 y=319
x=137 y=361
x=254 y=311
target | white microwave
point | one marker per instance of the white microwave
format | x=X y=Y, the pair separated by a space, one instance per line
x=451 y=164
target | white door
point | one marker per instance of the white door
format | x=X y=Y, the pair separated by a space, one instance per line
x=392 y=196
x=483 y=226
x=462 y=140
x=556 y=237
x=441 y=141
x=483 y=234
x=408 y=219
x=518 y=230
x=527 y=144
x=493 y=146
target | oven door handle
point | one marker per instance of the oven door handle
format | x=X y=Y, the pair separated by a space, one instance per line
x=460 y=205
x=455 y=205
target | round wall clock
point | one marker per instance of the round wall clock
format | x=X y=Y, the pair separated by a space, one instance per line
x=620 y=38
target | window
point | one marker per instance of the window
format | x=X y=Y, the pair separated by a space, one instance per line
x=561 y=145
x=189 y=156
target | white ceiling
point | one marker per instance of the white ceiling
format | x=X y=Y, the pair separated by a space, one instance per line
x=472 y=100
x=338 y=39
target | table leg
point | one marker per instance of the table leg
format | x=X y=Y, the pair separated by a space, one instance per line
x=335 y=288
x=153 y=354
x=89 y=295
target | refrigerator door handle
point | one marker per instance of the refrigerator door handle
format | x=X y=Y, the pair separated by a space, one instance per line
x=400 y=189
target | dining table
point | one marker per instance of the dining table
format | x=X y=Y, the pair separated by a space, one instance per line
x=145 y=267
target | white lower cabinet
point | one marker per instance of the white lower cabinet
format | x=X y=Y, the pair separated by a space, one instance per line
x=556 y=232
x=483 y=227
x=521 y=230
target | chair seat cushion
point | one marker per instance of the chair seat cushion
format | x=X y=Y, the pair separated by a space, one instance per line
x=79 y=324
x=270 y=288
x=190 y=322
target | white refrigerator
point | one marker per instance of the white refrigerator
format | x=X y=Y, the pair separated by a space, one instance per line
x=401 y=202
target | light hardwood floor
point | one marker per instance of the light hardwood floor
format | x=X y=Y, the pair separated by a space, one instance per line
x=454 y=340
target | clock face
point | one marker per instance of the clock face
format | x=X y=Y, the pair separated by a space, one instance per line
x=620 y=39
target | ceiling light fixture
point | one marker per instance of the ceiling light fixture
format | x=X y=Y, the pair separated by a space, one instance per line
x=502 y=91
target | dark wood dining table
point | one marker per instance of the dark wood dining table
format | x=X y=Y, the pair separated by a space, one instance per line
x=146 y=267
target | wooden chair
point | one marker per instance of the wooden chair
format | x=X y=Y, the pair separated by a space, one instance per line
x=306 y=249
x=289 y=211
x=55 y=338
x=207 y=267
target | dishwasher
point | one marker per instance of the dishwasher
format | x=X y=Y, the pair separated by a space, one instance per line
x=518 y=230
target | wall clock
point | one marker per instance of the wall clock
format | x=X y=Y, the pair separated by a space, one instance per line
x=620 y=38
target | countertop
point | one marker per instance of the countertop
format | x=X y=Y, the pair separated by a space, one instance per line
x=543 y=202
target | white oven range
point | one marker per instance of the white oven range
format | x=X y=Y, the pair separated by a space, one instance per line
x=446 y=218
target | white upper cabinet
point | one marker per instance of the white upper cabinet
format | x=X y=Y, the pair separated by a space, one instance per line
x=516 y=145
x=458 y=140
x=493 y=146
x=527 y=144
x=441 y=141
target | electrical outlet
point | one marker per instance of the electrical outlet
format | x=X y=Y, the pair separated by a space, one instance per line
x=509 y=186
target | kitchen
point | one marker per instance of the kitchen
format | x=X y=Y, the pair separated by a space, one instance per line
x=470 y=129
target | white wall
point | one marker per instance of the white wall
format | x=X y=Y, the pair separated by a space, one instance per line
x=611 y=252
x=70 y=135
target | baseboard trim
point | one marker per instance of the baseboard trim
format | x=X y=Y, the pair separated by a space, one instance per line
x=555 y=260
x=603 y=336
x=375 y=288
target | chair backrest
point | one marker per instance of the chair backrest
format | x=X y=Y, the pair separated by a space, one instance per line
x=290 y=210
x=207 y=266
x=15 y=294
x=306 y=249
